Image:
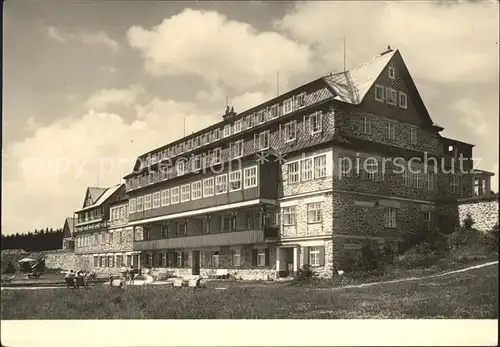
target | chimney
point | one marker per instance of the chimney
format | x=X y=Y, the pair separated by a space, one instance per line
x=389 y=49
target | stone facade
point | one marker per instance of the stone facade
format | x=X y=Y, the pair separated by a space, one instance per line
x=484 y=213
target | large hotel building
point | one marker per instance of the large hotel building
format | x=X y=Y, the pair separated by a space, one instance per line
x=299 y=179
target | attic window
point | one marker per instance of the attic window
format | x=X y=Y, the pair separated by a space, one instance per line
x=392 y=72
x=403 y=100
x=450 y=148
x=379 y=93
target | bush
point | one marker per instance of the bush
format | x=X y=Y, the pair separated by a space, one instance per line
x=10 y=268
x=468 y=222
x=305 y=273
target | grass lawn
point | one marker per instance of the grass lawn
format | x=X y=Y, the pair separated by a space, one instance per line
x=471 y=294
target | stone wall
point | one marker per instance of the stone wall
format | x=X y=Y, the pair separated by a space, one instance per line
x=64 y=259
x=112 y=240
x=484 y=213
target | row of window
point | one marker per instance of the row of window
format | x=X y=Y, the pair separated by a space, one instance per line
x=248 y=122
x=90 y=215
x=207 y=187
x=289 y=214
x=366 y=128
x=93 y=226
x=103 y=238
x=390 y=96
x=304 y=170
x=119 y=212
x=112 y=260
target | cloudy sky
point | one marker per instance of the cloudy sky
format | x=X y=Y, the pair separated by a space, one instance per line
x=87 y=86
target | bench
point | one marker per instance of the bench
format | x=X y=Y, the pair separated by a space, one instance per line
x=222 y=273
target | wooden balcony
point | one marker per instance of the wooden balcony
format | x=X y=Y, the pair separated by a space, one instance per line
x=234 y=238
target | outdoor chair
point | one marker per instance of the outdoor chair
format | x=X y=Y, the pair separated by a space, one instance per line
x=70 y=282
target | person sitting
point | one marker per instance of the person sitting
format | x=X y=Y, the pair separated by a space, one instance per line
x=70 y=279
x=131 y=274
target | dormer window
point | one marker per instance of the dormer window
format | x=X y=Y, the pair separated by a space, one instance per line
x=273 y=111
x=261 y=117
x=227 y=130
x=392 y=72
x=237 y=126
x=250 y=121
x=300 y=100
x=403 y=100
x=288 y=106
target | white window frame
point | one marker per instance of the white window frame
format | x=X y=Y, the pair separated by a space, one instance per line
x=179 y=258
x=236 y=254
x=403 y=100
x=131 y=205
x=290 y=131
x=250 y=177
x=413 y=135
x=237 y=149
x=392 y=72
x=196 y=163
x=293 y=175
x=306 y=169
x=289 y=215
x=215 y=258
x=196 y=190
x=147 y=202
x=262 y=138
x=227 y=130
x=455 y=184
x=156 y=200
x=392 y=96
x=288 y=106
x=174 y=195
x=217 y=155
x=185 y=192
x=319 y=166
x=180 y=167
x=261 y=117
x=261 y=255
x=379 y=89
x=428 y=220
x=391 y=135
x=208 y=187
x=273 y=111
x=314 y=212
x=314 y=254
x=221 y=184
x=390 y=219
x=318 y=118
x=237 y=126
x=297 y=104
x=366 y=124
x=235 y=177
x=165 y=197
x=215 y=135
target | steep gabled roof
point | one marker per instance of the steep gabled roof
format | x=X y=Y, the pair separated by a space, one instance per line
x=352 y=86
x=70 y=222
x=102 y=197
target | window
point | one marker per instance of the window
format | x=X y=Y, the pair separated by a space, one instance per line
x=406 y=176
x=300 y=100
x=147 y=202
x=174 y=195
x=288 y=106
x=273 y=111
x=390 y=217
x=320 y=166
x=181 y=229
x=366 y=125
x=391 y=131
x=413 y=136
x=288 y=215
x=379 y=93
x=217 y=155
x=250 y=121
x=235 y=180
x=264 y=140
x=226 y=222
x=250 y=177
x=345 y=167
x=315 y=125
x=403 y=100
x=179 y=257
x=216 y=135
x=237 y=149
x=165 y=197
x=391 y=95
x=215 y=259
x=306 y=169
x=196 y=190
x=196 y=163
x=392 y=72
x=290 y=131
x=227 y=130
x=261 y=257
x=372 y=171
x=237 y=126
x=261 y=117
x=428 y=220
x=293 y=172
x=314 y=254
x=429 y=181
x=180 y=167
x=139 y=204
x=455 y=184
x=208 y=187
x=221 y=184
x=237 y=257
x=156 y=200
x=185 y=192
x=314 y=212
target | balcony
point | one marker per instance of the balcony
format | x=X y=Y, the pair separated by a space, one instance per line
x=254 y=236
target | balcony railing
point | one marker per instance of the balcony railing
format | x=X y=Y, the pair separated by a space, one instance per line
x=254 y=236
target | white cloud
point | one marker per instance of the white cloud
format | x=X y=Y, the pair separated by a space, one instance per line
x=455 y=43
x=471 y=116
x=104 y=97
x=217 y=49
x=248 y=100
x=96 y=38
x=47 y=173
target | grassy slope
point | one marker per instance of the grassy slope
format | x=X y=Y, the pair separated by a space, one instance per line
x=471 y=294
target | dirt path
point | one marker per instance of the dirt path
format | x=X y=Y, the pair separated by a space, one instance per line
x=413 y=278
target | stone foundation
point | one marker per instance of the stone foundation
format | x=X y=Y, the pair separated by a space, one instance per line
x=484 y=213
